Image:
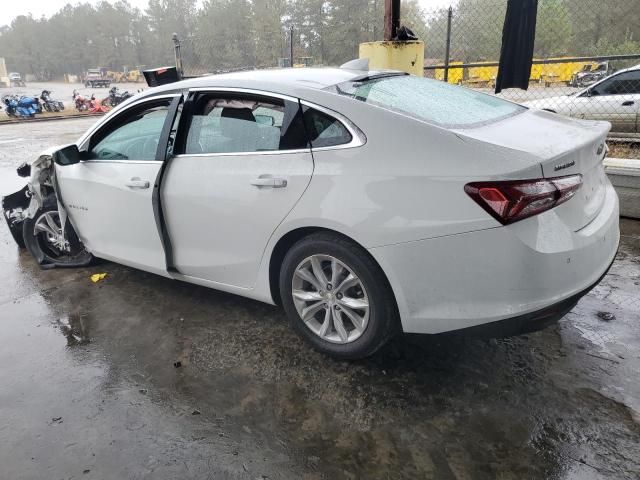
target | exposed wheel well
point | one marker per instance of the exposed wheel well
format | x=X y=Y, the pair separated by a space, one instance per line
x=283 y=246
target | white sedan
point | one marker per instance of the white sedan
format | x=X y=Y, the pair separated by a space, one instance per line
x=615 y=99
x=365 y=203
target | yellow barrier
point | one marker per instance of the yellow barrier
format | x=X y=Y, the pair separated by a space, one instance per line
x=547 y=73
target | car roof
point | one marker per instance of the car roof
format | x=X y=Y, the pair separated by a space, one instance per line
x=286 y=81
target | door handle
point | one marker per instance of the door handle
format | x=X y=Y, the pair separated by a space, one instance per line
x=629 y=103
x=135 y=182
x=269 y=182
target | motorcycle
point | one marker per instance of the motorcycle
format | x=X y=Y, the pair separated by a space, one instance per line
x=91 y=105
x=81 y=102
x=49 y=104
x=116 y=97
x=21 y=106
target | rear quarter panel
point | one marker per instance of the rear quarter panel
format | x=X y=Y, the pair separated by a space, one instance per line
x=405 y=183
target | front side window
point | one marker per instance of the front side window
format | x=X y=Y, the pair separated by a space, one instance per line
x=627 y=83
x=429 y=100
x=136 y=137
x=224 y=123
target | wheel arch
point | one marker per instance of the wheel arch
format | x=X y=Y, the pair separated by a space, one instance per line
x=286 y=241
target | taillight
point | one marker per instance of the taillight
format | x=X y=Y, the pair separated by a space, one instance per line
x=514 y=200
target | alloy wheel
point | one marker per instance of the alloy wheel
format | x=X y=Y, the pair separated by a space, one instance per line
x=330 y=299
x=49 y=229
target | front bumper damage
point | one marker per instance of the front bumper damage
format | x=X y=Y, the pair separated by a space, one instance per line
x=25 y=204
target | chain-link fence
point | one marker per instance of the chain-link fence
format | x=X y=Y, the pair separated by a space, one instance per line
x=581 y=46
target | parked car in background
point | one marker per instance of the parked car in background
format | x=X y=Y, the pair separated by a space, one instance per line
x=94 y=78
x=615 y=99
x=590 y=75
x=15 y=80
x=366 y=203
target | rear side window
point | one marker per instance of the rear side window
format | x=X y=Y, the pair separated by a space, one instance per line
x=244 y=124
x=623 y=84
x=324 y=130
x=429 y=100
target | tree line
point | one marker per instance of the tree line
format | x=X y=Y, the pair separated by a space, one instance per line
x=227 y=34
x=564 y=28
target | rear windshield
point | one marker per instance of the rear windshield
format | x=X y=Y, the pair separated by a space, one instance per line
x=430 y=100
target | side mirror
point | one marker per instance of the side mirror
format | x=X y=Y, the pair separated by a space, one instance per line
x=265 y=120
x=69 y=155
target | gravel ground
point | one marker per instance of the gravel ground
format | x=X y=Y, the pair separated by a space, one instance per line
x=141 y=377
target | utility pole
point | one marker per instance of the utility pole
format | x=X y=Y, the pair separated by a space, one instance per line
x=291 y=46
x=448 y=48
x=391 y=19
x=178 y=54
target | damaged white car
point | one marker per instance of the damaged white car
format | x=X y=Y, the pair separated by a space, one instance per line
x=365 y=203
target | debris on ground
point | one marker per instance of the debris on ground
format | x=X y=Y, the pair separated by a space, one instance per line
x=177 y=364
x=96 y=277
x=606 y=316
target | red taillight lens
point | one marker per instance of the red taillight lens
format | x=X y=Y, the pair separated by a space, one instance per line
x=512 y=201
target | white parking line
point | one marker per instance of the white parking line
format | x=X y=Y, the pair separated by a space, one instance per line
x=11 y=141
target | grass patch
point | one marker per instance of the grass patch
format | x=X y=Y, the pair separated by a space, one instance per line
x=624 y=150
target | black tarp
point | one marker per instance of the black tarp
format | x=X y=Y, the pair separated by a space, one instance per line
x=518 y=37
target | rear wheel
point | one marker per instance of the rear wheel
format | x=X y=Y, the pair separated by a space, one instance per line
x=336 y=297
x=44 y=238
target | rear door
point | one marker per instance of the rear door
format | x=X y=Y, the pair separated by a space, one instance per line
x=243 y=163
x=109 y=196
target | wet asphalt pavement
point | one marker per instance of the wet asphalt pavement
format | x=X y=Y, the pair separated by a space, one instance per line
x=141 y=377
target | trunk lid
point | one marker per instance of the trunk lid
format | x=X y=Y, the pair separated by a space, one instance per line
x=562 y=146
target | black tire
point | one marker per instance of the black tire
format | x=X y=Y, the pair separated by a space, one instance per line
x=383 y=321
x=44 y=252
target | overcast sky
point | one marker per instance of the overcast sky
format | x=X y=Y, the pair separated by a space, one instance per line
x=12 y=8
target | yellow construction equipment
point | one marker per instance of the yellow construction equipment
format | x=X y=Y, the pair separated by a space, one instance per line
x=115 y=77
x=135 y=76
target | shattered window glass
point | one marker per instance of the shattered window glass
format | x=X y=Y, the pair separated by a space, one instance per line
x=243 y=124
x=429 y=100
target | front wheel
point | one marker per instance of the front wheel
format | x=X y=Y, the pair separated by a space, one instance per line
x=337 y=297
x=43 y=237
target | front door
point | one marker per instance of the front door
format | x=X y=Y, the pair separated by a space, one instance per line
x=244 y=164
x=616 y=100
x=109 y=196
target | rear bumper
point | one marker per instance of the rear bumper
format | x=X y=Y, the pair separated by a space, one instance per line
x=532 y=271
x=529 y=322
